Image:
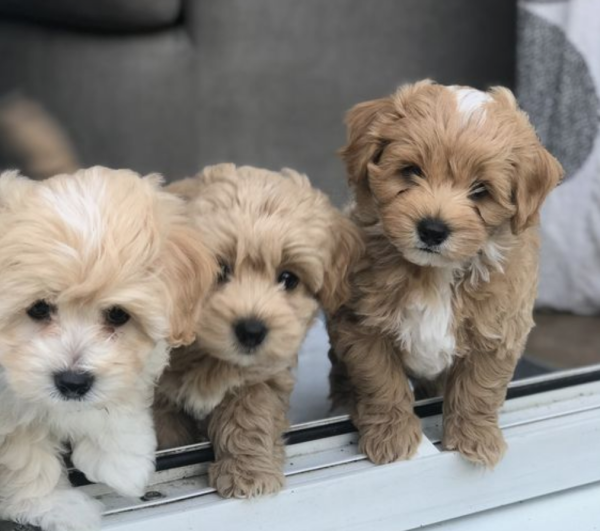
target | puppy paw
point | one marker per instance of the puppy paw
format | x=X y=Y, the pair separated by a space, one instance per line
x=385 y=442
x=128 y=474
x=245 y=477
x=64 y=510
x=75 y=511
x=480 y=444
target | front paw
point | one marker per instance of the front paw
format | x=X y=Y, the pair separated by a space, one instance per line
x=390 y=439
x=128 y=474
x=480 y=444
x=74 y=511
x=63 y=510
x=245 y=477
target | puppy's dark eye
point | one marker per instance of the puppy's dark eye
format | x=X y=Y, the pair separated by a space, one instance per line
x=40 y=310
x=288 y=279
x=478 y=191
x=411 y=171
x=116 y=316
x=224 y=273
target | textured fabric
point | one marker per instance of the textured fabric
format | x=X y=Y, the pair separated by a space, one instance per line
x=256 y=82
x=559 y=86
x=107 y=15
x=276 y=77
x=126 y=102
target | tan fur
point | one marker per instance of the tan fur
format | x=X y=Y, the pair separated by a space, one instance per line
x=94 y=239
x=487 y=269
x=186 y=273
x=87 y=246
x=259 y=223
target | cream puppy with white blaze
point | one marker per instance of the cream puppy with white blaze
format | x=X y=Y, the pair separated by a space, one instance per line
x=95 y=269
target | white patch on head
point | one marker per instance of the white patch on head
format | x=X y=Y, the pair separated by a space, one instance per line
x=471 y=103
x=79 y=207
x=424 y=330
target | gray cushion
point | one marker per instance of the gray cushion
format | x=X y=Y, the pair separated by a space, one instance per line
x=262 y=82
x=110 y=15
x=127 y=102
x=276 y=77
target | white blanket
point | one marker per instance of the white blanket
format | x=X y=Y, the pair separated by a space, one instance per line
x=558 y=85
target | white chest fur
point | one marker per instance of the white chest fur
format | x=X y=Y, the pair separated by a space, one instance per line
x=425 y=332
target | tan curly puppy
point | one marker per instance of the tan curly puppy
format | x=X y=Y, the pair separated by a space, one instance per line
x=284 y=251
x=448 y=182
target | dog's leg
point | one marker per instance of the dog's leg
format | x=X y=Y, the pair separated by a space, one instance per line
x=34 y=489
x=173 y=426
x=475 y=391
x=382 y=406
x=340 y=389
x=246 y=431
x=118 y=449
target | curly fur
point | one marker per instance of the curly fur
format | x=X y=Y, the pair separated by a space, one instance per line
x=259 y=223
x=84 y=243
x=465 y=309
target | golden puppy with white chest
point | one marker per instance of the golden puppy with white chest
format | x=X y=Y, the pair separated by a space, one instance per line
x=284 y=252
x=448 y=182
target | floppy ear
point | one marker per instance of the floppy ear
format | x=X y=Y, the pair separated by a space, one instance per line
x=364 y=143
x=537 y=174
x=188 y=271
x=346 y=249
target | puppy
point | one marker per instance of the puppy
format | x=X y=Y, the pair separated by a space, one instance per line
x=284 y=251
x=96 y=269
x=448 y=182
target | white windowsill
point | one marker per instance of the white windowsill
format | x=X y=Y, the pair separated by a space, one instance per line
x=553 y=460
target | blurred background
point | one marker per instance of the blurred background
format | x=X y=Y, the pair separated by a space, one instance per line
x=172 y=85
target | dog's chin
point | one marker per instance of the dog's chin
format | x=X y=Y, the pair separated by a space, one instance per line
x=426 y=258
x=267 y=357
x=247 y=357
x=233 y=354
x=80 y=404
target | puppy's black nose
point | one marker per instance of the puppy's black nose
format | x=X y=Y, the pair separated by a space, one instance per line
x=250 y=332
x=433 y=231
x=73 y=385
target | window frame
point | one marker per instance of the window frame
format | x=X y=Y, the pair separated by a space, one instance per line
x=551 y=423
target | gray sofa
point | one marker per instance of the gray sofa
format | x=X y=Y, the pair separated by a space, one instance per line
x=171 y=85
